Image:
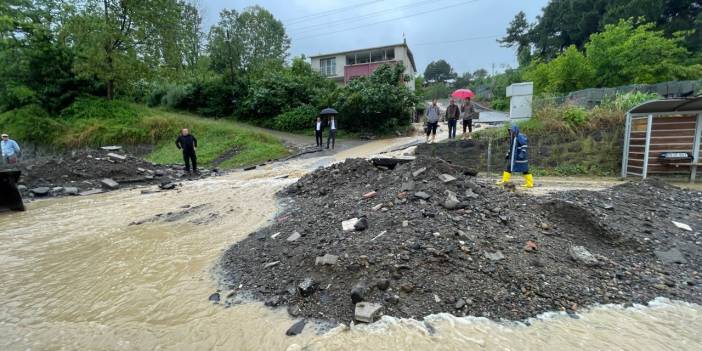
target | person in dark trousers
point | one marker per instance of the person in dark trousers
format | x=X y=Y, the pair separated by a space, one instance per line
x=452 y=114
x=332 y=132
x=517 y=158
x=467 y=113
x=188 y=144
x=433 y=115
x=318 y=130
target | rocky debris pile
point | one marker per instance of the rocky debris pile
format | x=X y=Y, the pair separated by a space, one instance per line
x=92 y=171
x=434 y=239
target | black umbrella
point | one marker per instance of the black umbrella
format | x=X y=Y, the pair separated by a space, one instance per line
x=328 y=111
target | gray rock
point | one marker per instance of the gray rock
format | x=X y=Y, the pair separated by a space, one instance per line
x=327 y=259
x=447 y=178
x=358 y=293
x=296 y=328
x=159 y=173
x=90 y=192
x=361 y=225
x=367 y=312
x=294 y=310
x=40 y=191
x=422 y=195
x=57 y=190
x=109 y=183
x=111 y=148
x=383 y=284
x=671 y=256
x=471 y=195
x=418 y=172
x=294 y=236
x=495 y=256
x=307 y=287
x=451 y=201
x=581 y=255
x=460 y=303
x=22 y=188
x=405 y=223
x=167 y=185
x=71 y=190
x=392 y=299
x=214 y=297
x=407 y=186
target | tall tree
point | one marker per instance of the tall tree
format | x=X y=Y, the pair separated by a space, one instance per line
x=439 y=71
x=518 y=37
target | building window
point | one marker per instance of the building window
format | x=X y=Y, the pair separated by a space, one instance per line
x=351 y=59
x=390 y=54
x=327 y=67
x=363 y=57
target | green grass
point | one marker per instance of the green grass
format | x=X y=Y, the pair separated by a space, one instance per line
x=94 y=122
x=215 y=137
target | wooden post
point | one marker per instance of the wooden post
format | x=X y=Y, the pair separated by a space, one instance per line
x=644 y=174
x=696 y=149
x=625 y=153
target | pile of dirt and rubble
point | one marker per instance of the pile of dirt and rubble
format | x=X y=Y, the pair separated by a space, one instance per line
x=92 y=171
x=427 y=238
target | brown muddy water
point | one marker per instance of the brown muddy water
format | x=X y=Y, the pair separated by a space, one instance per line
x=76 y=276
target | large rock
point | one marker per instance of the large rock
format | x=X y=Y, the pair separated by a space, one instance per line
x=451 y=201
x=109 y=183
x=348 y=225
x=358 y=293
x=307 y=287
x=361 y=224
x=447 y=178
x=581 y=255
x=40 y=191
x=296 y=328
x=367 y=312
x=71 y=190
x=671 y=256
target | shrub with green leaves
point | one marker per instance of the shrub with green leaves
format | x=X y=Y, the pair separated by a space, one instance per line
x=297 y=119
x=575 y=115
x=30 y=123
x=625 y=102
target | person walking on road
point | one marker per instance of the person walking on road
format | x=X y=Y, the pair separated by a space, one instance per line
x=188 y=143
x=452 y=114
x=433 y=114
x=517 y=158
x=318 y=130
x=332 y=132
x=467 y=113
x=10 y=150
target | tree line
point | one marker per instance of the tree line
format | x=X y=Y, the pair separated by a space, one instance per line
x=156 y=52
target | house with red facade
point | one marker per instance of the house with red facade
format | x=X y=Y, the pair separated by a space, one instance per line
x=347 y=65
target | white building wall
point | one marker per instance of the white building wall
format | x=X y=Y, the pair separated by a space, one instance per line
x=401 y=55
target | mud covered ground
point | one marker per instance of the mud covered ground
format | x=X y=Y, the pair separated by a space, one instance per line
x=84 y=170
x=478 y=250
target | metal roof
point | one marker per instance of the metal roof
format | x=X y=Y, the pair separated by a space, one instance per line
x=669 y=105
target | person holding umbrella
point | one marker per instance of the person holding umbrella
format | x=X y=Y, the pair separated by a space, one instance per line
x=330 y=112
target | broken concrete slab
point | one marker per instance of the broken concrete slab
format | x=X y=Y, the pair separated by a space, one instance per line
x=327 y=259
x=451 y=202
x=446 y=178
x=117 y=156
x=366 y=312
x=422 y=195
x=90 y=192
x=294 y=236
x=495 y=256
x=112 y=148
x=419 y=172
x=348 y=225
x=109 y=183
x=581 y=255
x=71 y=190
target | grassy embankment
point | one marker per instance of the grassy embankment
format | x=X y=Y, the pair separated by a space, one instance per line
x=568 y=140
x=95 y=122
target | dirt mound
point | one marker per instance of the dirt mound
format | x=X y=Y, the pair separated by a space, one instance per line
x=431 y=239
x=84 y=170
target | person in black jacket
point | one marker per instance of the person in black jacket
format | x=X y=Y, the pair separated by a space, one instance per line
x=318 y=130
x=188 y=144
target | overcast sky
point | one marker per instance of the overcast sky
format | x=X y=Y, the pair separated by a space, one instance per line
x=463 y=32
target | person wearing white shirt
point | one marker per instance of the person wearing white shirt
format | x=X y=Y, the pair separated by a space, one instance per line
x=318 y=129
x=332 y=132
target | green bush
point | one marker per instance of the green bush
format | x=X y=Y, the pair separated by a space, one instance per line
x=32 y=124
x=297 y=119
x=177 y=96
x=96 y=108
x=575 y=115
x=155 y=96
x=625 y=102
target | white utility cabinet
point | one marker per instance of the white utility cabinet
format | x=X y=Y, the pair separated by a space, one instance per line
x=520 y=95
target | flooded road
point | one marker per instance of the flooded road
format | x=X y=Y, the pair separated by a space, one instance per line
x=77 y=276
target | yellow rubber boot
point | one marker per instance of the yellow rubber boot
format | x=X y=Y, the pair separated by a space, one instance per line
x=528 y=181
x=505 y=178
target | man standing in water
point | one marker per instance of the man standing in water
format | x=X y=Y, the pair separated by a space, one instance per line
x=10 y=149
x=188 y=144
x=452 y=114
x=433 y=114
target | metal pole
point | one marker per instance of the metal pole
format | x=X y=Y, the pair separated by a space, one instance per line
x=489 y=156
x=696 y=149
x=648 y=145
x=627 y=136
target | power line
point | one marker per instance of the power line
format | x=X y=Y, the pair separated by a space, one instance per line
x=328 y=12
x=458 y=40
x=388 y=20
x=363 y=17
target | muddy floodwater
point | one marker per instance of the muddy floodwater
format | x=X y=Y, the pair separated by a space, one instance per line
x=75 y=275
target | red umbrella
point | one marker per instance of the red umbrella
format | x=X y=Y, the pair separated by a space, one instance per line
x=463 y=94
